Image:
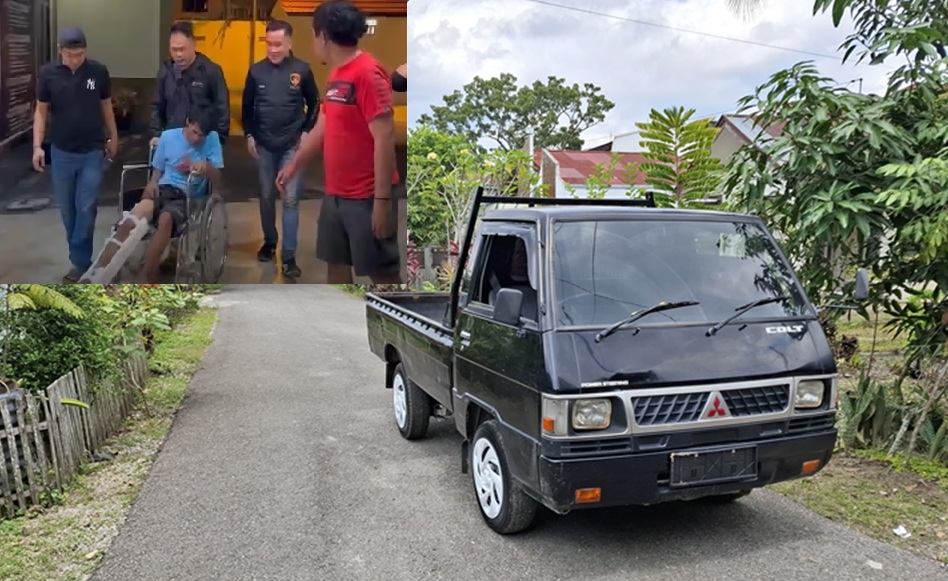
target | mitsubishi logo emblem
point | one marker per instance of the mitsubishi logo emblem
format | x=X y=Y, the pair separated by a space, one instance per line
x=716 y=407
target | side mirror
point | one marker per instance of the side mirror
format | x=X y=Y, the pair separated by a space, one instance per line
x=862 y=285
x=507 y=306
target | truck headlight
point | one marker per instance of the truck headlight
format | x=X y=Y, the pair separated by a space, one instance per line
x=809 y=394
x=592 y=414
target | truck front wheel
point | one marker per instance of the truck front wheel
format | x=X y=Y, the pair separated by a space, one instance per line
x=504 y=505
x=412 y=406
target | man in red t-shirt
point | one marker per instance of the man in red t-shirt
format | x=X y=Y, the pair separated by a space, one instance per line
x=356 y=132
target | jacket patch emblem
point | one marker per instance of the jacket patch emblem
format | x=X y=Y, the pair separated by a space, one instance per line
x=295 y=79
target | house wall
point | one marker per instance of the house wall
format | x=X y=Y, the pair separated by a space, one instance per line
x=122 y=35
x=550 y=174
x=389 y=44
x=629 y=143
x=129 y=37
x=726 y=144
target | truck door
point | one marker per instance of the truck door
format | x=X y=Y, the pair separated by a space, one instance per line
x=496 y=364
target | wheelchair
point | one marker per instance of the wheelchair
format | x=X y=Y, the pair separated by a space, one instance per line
x=198 y=252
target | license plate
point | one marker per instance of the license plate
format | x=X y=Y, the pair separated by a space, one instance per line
x=713 y=466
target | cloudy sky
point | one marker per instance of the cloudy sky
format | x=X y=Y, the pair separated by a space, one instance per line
x=639 y=67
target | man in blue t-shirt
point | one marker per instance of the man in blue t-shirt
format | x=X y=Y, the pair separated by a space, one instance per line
x=193 y=150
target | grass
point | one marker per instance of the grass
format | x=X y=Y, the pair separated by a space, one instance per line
x=873 y=495
x=353 y=289
x=886 y=341
x=67 y=541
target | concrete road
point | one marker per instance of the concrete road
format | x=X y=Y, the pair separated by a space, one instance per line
x=285 y=464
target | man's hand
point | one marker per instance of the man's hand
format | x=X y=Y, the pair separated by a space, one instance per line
x=150 y=191
x=380 y=218
x=285 y=175
x=153 y=143
x=39 y=159
x=252 y=148
x=111 y=149
x=200 y=168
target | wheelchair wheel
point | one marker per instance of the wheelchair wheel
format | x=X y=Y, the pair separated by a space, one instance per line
x=186 y=268
x=214 y=241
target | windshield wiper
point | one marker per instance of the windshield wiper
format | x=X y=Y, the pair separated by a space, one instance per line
x=662 y=306
x=743 y=309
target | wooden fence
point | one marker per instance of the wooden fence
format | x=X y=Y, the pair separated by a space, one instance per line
x=44 y=441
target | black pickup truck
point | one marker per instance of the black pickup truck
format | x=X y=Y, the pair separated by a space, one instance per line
x=607 y=353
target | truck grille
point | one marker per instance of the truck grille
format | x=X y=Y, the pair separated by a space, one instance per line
x=655 y=410
x=757 y=400
x=812 y=423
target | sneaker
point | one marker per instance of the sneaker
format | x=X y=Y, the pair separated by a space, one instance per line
x=290 y=269
x=265 y=254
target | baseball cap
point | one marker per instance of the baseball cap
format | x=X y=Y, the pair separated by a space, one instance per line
x=72 y=37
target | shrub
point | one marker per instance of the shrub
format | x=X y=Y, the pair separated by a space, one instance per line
x=45 y=344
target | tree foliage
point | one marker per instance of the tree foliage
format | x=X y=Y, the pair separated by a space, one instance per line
x=446 y=170
x=680 y=168
x=499 y=109
x=860 y=180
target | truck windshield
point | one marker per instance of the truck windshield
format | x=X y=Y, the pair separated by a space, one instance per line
x=603 y=270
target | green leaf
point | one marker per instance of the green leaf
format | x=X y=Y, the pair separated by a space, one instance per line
x=75 y=403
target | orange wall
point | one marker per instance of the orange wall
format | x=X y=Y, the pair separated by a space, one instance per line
x=229 y=46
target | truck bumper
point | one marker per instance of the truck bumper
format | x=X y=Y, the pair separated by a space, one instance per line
x=644 y=478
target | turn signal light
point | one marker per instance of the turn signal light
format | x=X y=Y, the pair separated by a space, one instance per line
x=548 y=424
x=810 y=467
x=588 y=495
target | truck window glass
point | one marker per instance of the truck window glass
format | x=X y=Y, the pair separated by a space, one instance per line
x=603 y=270
x=506 y=266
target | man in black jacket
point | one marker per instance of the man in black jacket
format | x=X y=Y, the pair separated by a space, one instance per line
x=188 y=79
x=280 y=105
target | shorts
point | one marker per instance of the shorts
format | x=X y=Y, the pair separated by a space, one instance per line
x=175 y=202
x=345 y=236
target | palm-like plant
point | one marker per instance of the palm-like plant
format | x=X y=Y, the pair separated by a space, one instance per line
x=30 y=296
x=745 y=8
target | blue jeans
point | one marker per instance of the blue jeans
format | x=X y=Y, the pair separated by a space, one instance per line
x=77 y=182
x=269 y=164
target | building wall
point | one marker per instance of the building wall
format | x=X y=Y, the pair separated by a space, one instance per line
x=122 y=35
x=628 y=143
x=389 y=44
x=725 y=145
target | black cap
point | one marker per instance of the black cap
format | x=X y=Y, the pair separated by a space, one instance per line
x=72 y=37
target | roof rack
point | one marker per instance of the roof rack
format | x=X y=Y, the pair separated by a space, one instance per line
x=480 y=199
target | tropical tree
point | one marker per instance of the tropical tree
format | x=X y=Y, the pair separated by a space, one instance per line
x=862 y=180
x=30 y=297
x=679 y=167
x=504 y=112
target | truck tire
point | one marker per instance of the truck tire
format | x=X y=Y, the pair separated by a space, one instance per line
x=506 y=508
x=411 y=405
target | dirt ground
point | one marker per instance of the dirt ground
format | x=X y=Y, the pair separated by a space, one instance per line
x=872 y=497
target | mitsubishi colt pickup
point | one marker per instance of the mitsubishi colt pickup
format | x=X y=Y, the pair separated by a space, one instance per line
x=599 y=353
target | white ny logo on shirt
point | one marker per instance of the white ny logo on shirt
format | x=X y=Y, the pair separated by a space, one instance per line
x=90 y=84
